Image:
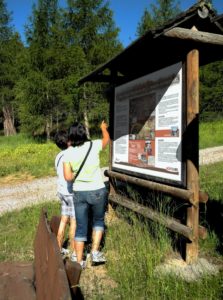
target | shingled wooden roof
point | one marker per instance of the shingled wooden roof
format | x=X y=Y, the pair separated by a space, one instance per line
x=197 y=28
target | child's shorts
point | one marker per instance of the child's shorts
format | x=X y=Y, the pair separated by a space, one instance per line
x=67 y=205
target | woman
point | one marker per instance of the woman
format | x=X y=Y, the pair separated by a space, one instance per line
x=89 y=189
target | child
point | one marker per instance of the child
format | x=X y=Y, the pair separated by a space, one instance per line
x=65 y=194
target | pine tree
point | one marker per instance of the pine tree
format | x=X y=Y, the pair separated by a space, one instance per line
x=211 y=89
x=46 y=92
x=90 y=24
x=165 y=10
x=146 y=23
x=159 y=13
x=92 y=27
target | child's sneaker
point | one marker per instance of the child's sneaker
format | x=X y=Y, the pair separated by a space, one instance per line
x=83 y=264
x=64 y=252
x=73 y=257
x=97 y=258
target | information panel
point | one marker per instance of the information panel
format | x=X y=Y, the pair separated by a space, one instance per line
x=148 y=125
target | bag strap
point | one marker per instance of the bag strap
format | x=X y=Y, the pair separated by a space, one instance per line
x=82 y=164
x=59 y=160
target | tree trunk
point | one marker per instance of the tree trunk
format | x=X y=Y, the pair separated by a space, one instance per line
x=48 y=129
x=86 y=124
x=49 y=121
x=8 y=123
x=57 y=122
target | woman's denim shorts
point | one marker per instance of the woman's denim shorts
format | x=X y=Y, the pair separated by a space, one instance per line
x=84 y=201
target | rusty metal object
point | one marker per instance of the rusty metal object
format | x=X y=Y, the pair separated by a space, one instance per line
x=73 y=270
x=54 y=224
x=50 y=277
x=16 y=280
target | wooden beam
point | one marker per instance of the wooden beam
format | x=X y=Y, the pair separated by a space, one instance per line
x=149 y=213
x=167 y=189
x=192 y=81
x=196 y=36
x=173 y=191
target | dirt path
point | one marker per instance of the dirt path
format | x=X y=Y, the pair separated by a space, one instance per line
x=21 y=194
x=211 y=155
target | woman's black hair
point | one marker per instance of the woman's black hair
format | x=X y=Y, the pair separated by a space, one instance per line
x=61 y=139
x=77 y=134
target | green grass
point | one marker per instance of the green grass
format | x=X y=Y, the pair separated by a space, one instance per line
x=133 y=256
x=134 y=248
x=132 y=251
x=210 y=134
x=15 y=141
x=104 y=157
x=31 y=158
x=211 y=180
x=21 y=155
x=18 y=229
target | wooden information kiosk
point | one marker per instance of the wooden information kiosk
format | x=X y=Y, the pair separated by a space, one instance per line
x=154 y=114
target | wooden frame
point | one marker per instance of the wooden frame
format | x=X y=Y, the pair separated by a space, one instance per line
x=191 y=194
x=150 y=91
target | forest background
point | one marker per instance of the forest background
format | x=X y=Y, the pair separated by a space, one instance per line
x=39 y=93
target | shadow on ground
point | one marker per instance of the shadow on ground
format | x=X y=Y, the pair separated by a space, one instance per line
x=212 y=218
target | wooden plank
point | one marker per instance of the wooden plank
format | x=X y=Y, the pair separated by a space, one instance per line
x=147 y=212
x=167 y=189
x=195 y=36
x=192 y=79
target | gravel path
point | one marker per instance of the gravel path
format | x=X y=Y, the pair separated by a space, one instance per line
x=28 y=193
x=211 y=155
x=17 y=196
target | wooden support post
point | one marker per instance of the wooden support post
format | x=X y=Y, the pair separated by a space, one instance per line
x=192 y=79
x=111 y=98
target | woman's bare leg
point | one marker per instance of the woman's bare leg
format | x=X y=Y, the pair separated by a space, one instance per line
x=96 y=237
x=79 y=247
